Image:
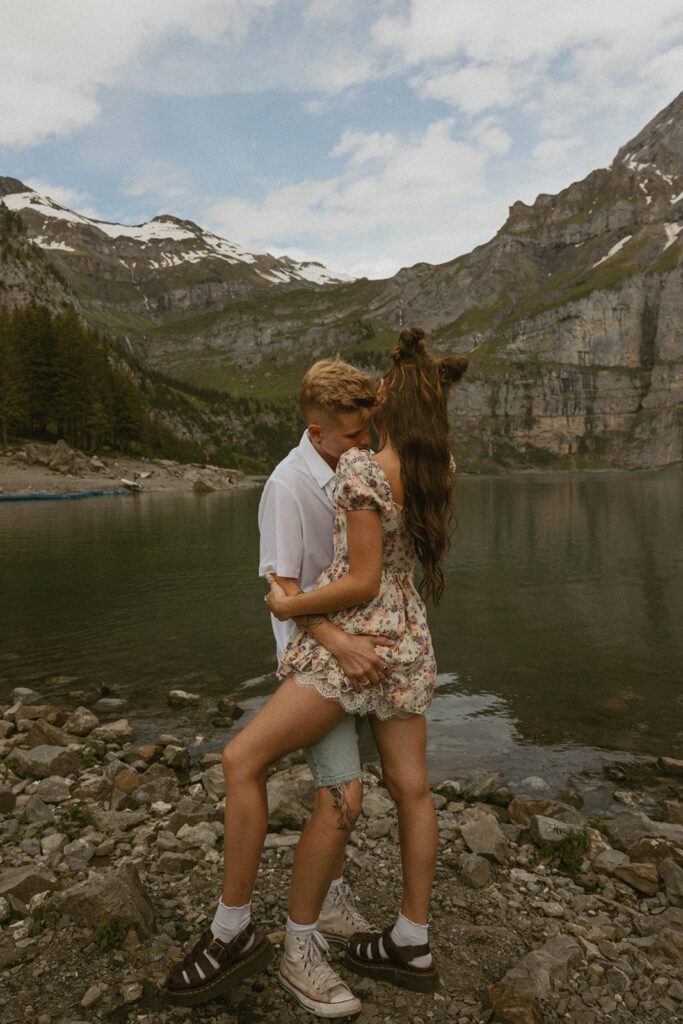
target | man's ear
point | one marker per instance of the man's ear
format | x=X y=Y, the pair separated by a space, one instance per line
x=315 y=433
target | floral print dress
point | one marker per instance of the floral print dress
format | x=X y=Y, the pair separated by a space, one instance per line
x=397 y=612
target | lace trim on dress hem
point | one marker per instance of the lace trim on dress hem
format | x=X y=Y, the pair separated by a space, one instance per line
x=368 y=702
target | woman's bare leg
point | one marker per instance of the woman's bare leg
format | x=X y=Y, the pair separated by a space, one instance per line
x=295 y=716
x=402 y=744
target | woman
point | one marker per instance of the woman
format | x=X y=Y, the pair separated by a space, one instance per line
x=393 y=507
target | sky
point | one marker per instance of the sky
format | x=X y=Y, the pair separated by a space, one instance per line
x=366 y=134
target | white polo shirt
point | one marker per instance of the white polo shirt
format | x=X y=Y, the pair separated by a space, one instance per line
x=295 y=522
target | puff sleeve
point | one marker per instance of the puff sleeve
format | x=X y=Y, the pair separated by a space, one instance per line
x=360 y=482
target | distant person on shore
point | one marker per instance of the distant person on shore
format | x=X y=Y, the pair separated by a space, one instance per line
x=391 y=509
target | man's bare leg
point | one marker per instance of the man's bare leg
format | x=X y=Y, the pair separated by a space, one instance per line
x=319 y=857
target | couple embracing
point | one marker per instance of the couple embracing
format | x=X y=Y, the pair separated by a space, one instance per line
x=341 y=530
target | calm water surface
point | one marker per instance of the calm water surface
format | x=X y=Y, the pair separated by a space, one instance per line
x=559 y=641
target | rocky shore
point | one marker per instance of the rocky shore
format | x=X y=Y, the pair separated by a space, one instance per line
x=35 y=468
x=110 y=863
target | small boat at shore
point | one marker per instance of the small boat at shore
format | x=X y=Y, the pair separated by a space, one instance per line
x=54 y=496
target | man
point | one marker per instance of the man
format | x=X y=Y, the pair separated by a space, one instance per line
x=295 y=523
x=295 y=520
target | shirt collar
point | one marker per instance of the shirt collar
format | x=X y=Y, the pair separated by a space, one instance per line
x=321 y=472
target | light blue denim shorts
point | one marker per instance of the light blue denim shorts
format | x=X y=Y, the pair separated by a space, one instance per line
x=336 y=757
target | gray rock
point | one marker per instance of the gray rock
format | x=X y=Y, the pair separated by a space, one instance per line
x=627 y=828
x=53 y=843
x=189 y=812
x=44 y=761
x=538 y=972
x=8 y=800
x=37 y=812
x=93 y=994
x=548 y=831
x=5 y=910
x=81 y=722
x=451 y=789
x=484 y=836
x=24 y=695
x=608 y=860
x=53 y=790
x=475 y=871
x=379 y=827
x=177 y=758
x=377 y=803
x=110 y=705
x=119 y=732
x=651 y=924
x=25 y=882
x=78 y=853
x=158 y=783
x=43 y=734
x=197 y=835
x=171 y=863
x=482 y=785
x=213 y=781
x=642 y=877
x=94 y=787
x=115 y=897
x=290 y=798
x=180 y=699
x=672 y=875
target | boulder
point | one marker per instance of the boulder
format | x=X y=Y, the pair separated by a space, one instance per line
x=37 y=812
x=25 y=882
x=377 y=803
x=671 y=874
x=484 y=836
x=42 y=733
x=115 y=897
x=641 y=877
x=176 y=757
x=214 y=782
x=180 y=699
x=110 y=705
x=608 y=860
x=40 y=762
x=24 y=695
x=475 y=871
x=290 y=798
x=119 y=732
x=171 y=863
x=520 y=811
x=8 y=800
x=203 y=835
x=53 y=790
x=548 y=831
x=81 y=722
x=627 y=828
x=158 y=783
x=482 y=785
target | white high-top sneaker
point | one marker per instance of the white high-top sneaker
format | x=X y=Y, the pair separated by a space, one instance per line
x=339 y=918
x=307 y=975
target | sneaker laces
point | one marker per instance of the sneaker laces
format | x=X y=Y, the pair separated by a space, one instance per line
x=319 y=971
x=344 y=899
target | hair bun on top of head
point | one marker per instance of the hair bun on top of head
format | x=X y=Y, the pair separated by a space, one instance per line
x=451 y=368
x=410 y=341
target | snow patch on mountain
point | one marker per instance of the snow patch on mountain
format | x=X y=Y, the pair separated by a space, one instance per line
x=614 y=250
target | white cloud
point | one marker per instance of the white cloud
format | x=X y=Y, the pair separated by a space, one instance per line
x=491 y=136
x=157 y=179
x=56 y=58
x=553 y=152
x=473 y=88
x=394 y=200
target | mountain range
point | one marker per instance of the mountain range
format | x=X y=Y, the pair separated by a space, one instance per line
x=572 y=314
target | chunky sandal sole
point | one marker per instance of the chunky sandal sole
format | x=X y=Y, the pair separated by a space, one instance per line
x=327 y=1010
x=395 y=974
x=253 y=962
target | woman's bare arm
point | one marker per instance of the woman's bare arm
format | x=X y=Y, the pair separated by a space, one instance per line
x=358 y=586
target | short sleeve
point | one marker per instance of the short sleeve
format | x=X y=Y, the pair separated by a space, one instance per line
x=281 y=532
x=360 y=483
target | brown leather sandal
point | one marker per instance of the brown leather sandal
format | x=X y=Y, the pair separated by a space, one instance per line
x=212 y=967
x=363 y=957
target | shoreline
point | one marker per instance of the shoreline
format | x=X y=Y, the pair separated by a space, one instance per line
x=541 y=913
x=37 y=467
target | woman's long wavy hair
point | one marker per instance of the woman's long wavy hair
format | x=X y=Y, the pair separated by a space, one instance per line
x=414 y=417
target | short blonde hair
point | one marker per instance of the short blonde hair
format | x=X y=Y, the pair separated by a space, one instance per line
x=333 y=386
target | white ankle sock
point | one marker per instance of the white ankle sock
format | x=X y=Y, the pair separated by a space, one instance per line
x=230 y=921
x=407 y=933
x=300 y=929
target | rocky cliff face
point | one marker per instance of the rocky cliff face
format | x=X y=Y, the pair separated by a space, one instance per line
x=572 y=314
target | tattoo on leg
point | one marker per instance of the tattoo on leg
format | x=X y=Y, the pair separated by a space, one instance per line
x=345 y=821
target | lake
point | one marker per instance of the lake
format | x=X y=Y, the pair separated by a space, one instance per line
x=559 y=640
